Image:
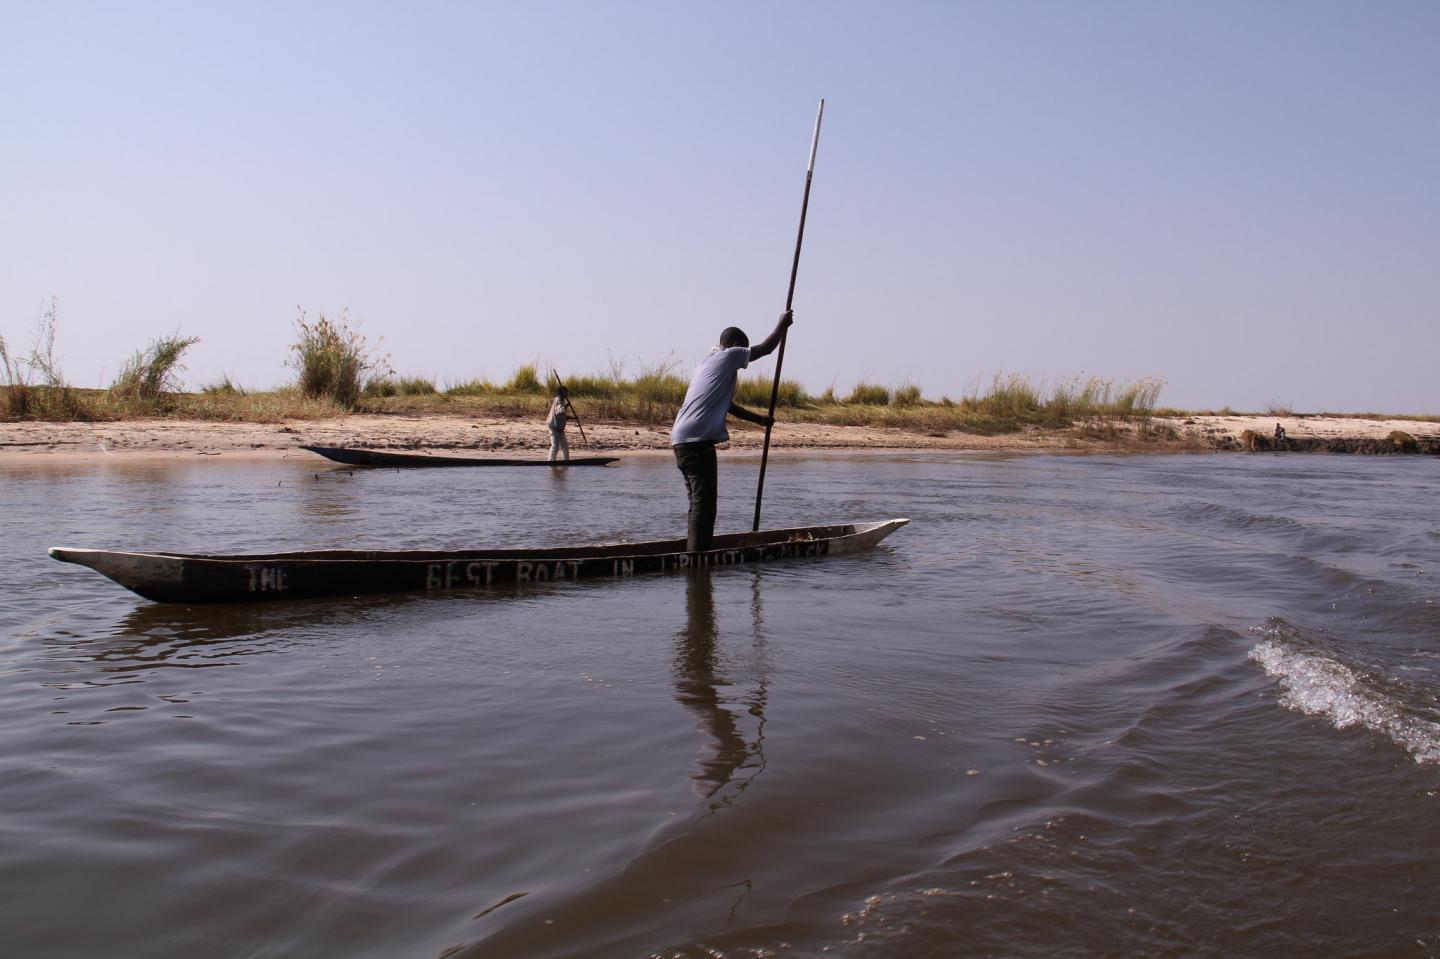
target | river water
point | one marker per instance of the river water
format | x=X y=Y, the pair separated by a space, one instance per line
x=1147 y=705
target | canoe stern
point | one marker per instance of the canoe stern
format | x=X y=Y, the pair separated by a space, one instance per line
x=152 y=576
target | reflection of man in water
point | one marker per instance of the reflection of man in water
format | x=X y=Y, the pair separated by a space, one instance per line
x=696 y=682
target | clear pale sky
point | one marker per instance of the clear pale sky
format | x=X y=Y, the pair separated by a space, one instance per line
x=1240 y=198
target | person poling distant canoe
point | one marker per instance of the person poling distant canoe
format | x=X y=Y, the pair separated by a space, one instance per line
x=700 y=424
x=562 y=410
x=555 y=421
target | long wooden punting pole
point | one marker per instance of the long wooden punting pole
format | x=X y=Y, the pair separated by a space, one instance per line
x=561 y=382
x=789 y=300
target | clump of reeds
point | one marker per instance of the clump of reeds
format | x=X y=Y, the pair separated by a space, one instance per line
x=868 y=394
x=652 y=395
x=334 y=361
x=1138 y=399
x=415 y=386
x=223 y=387
x=906 y=396
x=403 y=386
x=525 y=379
x=473 y=387
x=597 y=387
x=1012 y=400
x=755 y=391
x=34 y=387
x=660 y=384
x=17 y=393
x=149 y=374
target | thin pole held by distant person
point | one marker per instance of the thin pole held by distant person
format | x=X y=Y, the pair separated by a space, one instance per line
x=571 y=407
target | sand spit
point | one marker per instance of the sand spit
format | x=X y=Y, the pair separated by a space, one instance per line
x=31 y=441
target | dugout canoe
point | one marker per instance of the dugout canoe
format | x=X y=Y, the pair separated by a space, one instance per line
x=198 y=578
x=353 y=457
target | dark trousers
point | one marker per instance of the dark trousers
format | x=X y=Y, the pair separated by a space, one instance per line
x=697 y=465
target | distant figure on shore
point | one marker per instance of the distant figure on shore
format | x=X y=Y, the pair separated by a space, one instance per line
x=700 y=424
x=555 y=423
x=1279 y=436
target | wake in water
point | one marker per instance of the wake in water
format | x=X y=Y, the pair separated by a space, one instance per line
x=1316 y=681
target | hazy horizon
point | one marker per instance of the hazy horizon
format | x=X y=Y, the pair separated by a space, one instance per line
x=1237 y=200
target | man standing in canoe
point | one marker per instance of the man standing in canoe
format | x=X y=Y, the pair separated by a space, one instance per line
x=700 y=424
x=555 y=423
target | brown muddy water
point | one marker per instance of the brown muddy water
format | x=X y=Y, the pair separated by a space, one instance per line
x=1160 y=706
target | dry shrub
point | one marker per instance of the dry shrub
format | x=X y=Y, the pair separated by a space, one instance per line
x=333 y=360
x=1404 y=442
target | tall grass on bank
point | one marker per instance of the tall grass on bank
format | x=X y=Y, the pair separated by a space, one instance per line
x=754 y=392
x=472 y=387
x=338 y=371
x=653 y=395
x=17 y=384
x=525 y=379
x=34 y=387
x=868 y=394
x=403 y=386
x=1010 y=403
x=251 y=406
x=333 y=360
x=1014 y=401
x=223 y=387
x=906 y=396
x=152 y=373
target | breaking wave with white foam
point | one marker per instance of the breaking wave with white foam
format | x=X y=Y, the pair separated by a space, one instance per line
x=1318 y=684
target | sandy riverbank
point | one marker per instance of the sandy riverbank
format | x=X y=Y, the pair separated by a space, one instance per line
x=28 y=441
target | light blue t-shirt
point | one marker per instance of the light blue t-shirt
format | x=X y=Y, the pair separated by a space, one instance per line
x=712 y=390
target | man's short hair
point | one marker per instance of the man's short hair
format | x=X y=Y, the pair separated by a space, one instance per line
x=733 y=336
